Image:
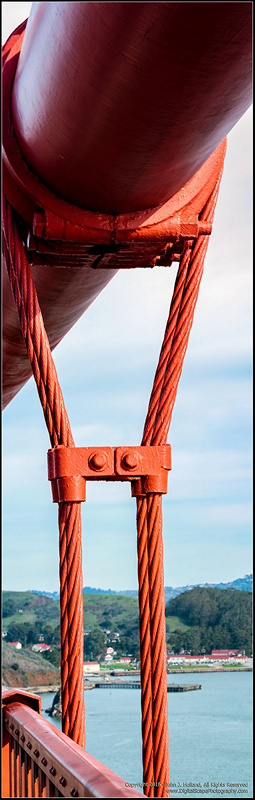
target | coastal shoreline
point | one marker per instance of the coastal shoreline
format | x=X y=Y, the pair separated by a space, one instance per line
x=171 y=671
x=178 y=671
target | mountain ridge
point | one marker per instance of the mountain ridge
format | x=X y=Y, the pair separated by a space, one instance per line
x=241 y=584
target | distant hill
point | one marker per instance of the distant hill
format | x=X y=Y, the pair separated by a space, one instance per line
x=124 y=592
x=53 y=595
x=241 y=584
x=216 y=620
x=89 y=590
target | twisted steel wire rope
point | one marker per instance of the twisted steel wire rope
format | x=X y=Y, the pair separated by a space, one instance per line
x=58 y=425
x=73 y=706
x=166 y=347
x=34 y=333
x=178 y=346
x=145 y=578
x=145 y=647
x=155 y=432
x=158 y=644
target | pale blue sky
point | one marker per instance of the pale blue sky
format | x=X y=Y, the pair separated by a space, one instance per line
x=106 y=367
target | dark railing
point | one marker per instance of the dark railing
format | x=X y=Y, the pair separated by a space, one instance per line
x=40 y=761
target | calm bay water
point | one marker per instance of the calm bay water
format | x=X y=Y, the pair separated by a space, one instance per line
x=210 y=732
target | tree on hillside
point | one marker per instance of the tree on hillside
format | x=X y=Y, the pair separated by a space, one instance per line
x=128 y=646
x=54 y=657
x=94 y=644
x=17 y=633
x=8 y=607
x=30 y=636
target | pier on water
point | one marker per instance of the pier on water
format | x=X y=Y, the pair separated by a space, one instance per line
x=172 y=687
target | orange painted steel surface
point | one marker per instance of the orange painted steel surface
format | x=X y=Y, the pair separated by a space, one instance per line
x=69 y=468
x=117 y=137
x=38 y=759
x=117 y=105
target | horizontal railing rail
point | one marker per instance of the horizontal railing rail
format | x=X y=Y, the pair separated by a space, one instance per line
x=40 y=761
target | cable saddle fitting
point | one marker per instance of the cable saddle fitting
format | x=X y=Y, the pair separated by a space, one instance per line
x=145 y=466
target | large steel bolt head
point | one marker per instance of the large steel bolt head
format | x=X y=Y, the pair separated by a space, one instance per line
x=130 y=460
x=97 y=461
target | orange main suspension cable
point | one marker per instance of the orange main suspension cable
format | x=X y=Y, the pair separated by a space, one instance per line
x=58 y=425
x=149 y=516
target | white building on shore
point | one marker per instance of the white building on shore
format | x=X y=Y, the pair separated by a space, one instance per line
x=91 y=668
x=215 y=657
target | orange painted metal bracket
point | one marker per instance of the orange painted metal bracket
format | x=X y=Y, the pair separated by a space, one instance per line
x=20 y=696
x=145 y=466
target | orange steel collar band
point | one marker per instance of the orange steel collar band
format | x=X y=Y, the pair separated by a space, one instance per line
x=53 y=218
x=68 y=467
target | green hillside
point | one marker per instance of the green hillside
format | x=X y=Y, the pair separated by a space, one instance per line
x=27 y=615
x=198 y=620
x=112 y=612
x=175 y=624
x=21 y=607
x=26 y=668
x=217 y=619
